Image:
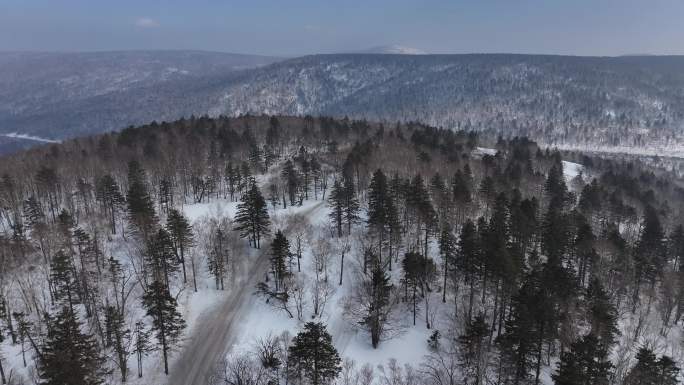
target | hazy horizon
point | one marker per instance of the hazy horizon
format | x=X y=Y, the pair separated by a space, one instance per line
x=299 y=27
x=359 y=52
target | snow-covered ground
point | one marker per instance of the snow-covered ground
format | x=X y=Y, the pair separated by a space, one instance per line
x=407 y=347
x=262 y=320
x=192 y=305
x=571 y=170
x=645 y=329
x=485 y=151
x=675 y=150
x=15 y=135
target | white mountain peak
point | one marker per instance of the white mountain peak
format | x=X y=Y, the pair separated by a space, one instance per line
x=395 y=49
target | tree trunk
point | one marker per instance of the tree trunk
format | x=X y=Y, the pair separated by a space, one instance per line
x=414 y=305
x=427 y=310
x=182 y=258
x=194 y=274
x=539 y=353
x=2 y=373
x=444 y=286
x=140 y=368
x=342 y=267
x=113 y=221
x=470 y=300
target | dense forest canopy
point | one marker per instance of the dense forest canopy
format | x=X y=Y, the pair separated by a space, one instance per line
x=522 y=270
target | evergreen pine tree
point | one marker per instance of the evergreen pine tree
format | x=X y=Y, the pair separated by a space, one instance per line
x=232 y=177
x=292 y=180
x=555 y=188
x=68 y=355
x=461 y=190
x=651 y=371
x=344 y=205
x=668 y=371
x=420 y=204
x=377 y=290
x=441 y=196
x=141 y=212
x=650 y=252
x=47 y=183
x=447 y=249
x=167 y=322
x=555 y=239
x=524 y=224
x=472 y=347
x=160 y=258
x=602 y=313
x=488 y=193
x=312 y=355
x=255 y=157
x=280 y=252
x=469 y=262
x=412 y=265
x=351 y=204
x=64 y=283
x=336 y=202
x=519 y=342
x=181 y=236
x=108 y=193
x=585 y=363
x=273 y=133
x=379 y=207
x=252 y=216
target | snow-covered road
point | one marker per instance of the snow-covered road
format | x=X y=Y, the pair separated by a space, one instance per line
x=214 y=334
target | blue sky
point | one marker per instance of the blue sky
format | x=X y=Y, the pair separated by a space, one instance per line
x=295 y=27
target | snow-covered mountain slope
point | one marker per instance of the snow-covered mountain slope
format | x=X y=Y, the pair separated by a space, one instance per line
x=630 y=102
x=59 y=95
x=395 y=49
x=624 y=103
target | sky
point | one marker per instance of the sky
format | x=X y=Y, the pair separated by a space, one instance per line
x=297 y=27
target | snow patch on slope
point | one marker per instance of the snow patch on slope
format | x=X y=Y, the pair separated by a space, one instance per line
x=485 y=151
x=15 y=135
x=395 y=49
x=571 y=170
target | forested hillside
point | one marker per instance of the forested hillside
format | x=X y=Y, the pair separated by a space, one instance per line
x=58 y=95
x=298 y=250
x=624 y=103
x=628 y=104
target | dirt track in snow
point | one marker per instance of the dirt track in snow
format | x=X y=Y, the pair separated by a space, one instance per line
x=214 y=335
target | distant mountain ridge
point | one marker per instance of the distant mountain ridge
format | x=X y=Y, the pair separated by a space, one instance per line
x=608 y=102
x=558 y=100
x=57 y=95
